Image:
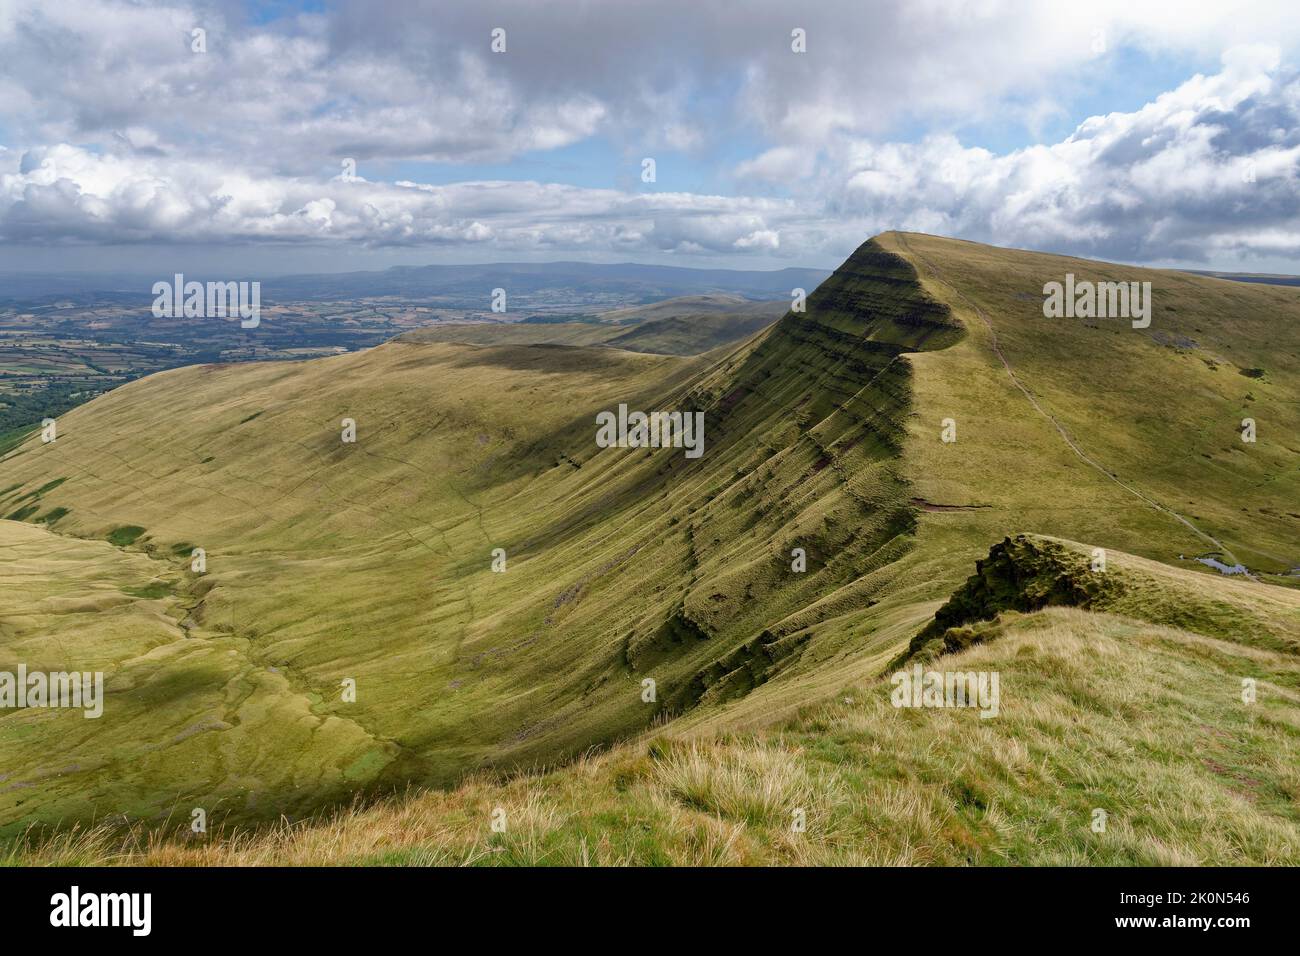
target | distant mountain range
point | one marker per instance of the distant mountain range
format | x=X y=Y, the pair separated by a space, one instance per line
x=447 y=283
x=1266 y=278
x=468 y=285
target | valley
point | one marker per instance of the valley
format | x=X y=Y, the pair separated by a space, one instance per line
x=59 y=352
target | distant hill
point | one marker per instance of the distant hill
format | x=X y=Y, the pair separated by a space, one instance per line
x=695 y=305
x=686 y=325
x=470 y=285
x=475 y=282
x=1266 y=278
x=693 y=334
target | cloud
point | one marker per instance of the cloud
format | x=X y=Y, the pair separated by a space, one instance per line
x=1212 y=167
x=390 y=81
x=67 y=193
x=759 y=239
x=779 y=164
x=119 y=133
x=295 y=95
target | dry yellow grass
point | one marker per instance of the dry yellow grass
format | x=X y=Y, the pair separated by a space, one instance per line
x=1097 y=711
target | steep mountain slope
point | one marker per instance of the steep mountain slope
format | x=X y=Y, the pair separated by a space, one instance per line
x=372 y=561
x=1102 y=719
x=1097 y=423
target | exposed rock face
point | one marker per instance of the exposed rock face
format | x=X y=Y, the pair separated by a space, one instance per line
x=1022 y=573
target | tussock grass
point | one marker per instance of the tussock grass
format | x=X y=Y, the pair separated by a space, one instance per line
x=1097 y=711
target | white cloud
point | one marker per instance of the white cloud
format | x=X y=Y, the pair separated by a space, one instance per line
x=128 y=136
x=759 y=239
x=781 y=164
x=417 y=81
x=1218 y=156
x=1209 y=167
x=66 y=192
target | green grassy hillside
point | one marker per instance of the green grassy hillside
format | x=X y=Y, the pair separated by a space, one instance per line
x=1094 y=423
x=694 y=306
x=688 y=325
x=1099 y=713
x=372 y=561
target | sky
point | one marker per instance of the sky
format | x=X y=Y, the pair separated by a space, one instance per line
x=263 y=138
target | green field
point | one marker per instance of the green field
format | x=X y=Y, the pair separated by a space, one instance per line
x=372 y=562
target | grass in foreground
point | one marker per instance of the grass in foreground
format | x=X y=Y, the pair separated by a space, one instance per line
x=1097 y=712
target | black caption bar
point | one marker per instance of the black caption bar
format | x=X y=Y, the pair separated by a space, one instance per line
x=333 y=906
